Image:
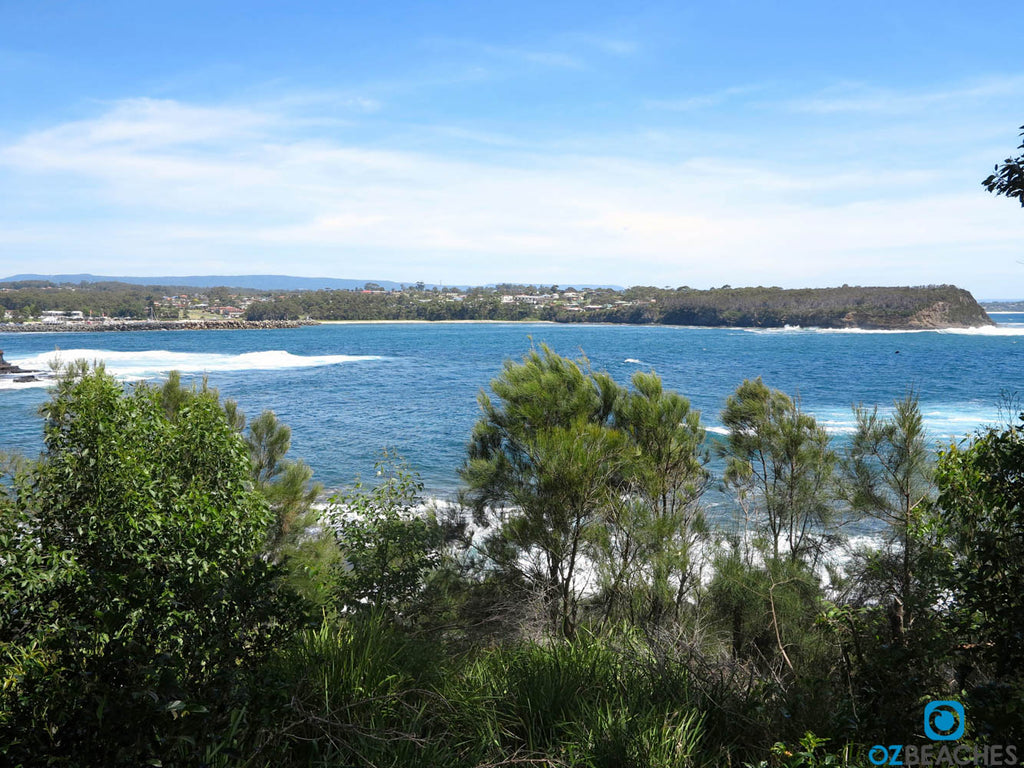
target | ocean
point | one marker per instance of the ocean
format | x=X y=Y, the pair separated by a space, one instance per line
x=348 y=391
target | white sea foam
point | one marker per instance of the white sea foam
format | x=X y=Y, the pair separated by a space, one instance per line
x=1008 y=329
x=633 y=360
x=940 y=425
x=800 y=329
x=146 y=363
x=988 y=330
x=836 y=427
x=864 y=541
x=959 y=417
x=833 y=428
x=8 y=382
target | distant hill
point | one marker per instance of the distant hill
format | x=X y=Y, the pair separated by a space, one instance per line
x=253 y=282
x=878 y=307
x=934 y=306
x=1006 y=305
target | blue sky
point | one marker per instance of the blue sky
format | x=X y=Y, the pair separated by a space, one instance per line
x=792 y=144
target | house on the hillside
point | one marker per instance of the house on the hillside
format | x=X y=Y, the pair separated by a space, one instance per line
x=227 y=311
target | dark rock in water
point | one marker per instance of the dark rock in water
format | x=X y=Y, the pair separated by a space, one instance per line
x=6 y=368
x=26 y=379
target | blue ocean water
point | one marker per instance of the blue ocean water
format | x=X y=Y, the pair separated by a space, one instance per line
x=350 y=390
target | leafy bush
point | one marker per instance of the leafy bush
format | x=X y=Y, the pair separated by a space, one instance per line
x=388 y=541
x=134 y=599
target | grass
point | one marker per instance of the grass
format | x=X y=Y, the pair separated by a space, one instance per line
x=364 y=694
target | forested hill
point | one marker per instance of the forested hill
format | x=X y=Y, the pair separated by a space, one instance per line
x=941 y=306
x=845 y=307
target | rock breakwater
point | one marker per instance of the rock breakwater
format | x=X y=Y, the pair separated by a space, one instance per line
x=152 y=325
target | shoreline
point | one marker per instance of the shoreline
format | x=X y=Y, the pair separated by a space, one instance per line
x=248 y=325
x=442 y=322
x=609 y=324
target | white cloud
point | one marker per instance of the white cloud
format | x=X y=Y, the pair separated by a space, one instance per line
x=863 y=98
x=550 y=58
x=617 y=46
x=152 y=123
x=701 y=100
x=234 y=189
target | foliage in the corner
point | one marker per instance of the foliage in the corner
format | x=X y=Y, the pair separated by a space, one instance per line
x=135 y=597
x=981 y=499
x=1008 y=177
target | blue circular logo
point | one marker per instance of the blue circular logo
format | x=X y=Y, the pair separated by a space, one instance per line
x=944 y=720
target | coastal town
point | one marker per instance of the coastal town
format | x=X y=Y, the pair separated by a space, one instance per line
x=41 y=305
x=93 y=305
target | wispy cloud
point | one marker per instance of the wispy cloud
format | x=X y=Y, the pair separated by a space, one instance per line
x=150 y=180
x=616 y=46
x=486 y=138
x=701 y=100
x=137 y=124
x=567 y=52
x=864 y=98
x=306 y=98
x=546 y=57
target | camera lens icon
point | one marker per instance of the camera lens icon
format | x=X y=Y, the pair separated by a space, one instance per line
x=944 y=720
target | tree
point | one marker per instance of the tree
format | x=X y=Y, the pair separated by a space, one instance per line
x=981 y=513
x=546 y=457
x=389 y=544
x=1008 y=178
x=590 y=478
x=766 y=593
x=780 y=463
x=268 y=441
x=286 y=485
x=981 y=502
x=767 y=608
x=669 y=438
x=134 y=597
x=888 y=469
x=651 y=531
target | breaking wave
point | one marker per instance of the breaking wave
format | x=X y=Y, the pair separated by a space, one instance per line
x=146 y=363
x=942 y=424
x=8 y=382
x=1013 y=329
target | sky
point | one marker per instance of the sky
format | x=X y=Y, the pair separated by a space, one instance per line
x=683 y=143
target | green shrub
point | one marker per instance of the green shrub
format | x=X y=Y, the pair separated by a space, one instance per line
x=134 y=600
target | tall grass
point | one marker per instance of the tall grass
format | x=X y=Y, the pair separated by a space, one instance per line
x=367 y=695
x=582 y=702
x=359 y=694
